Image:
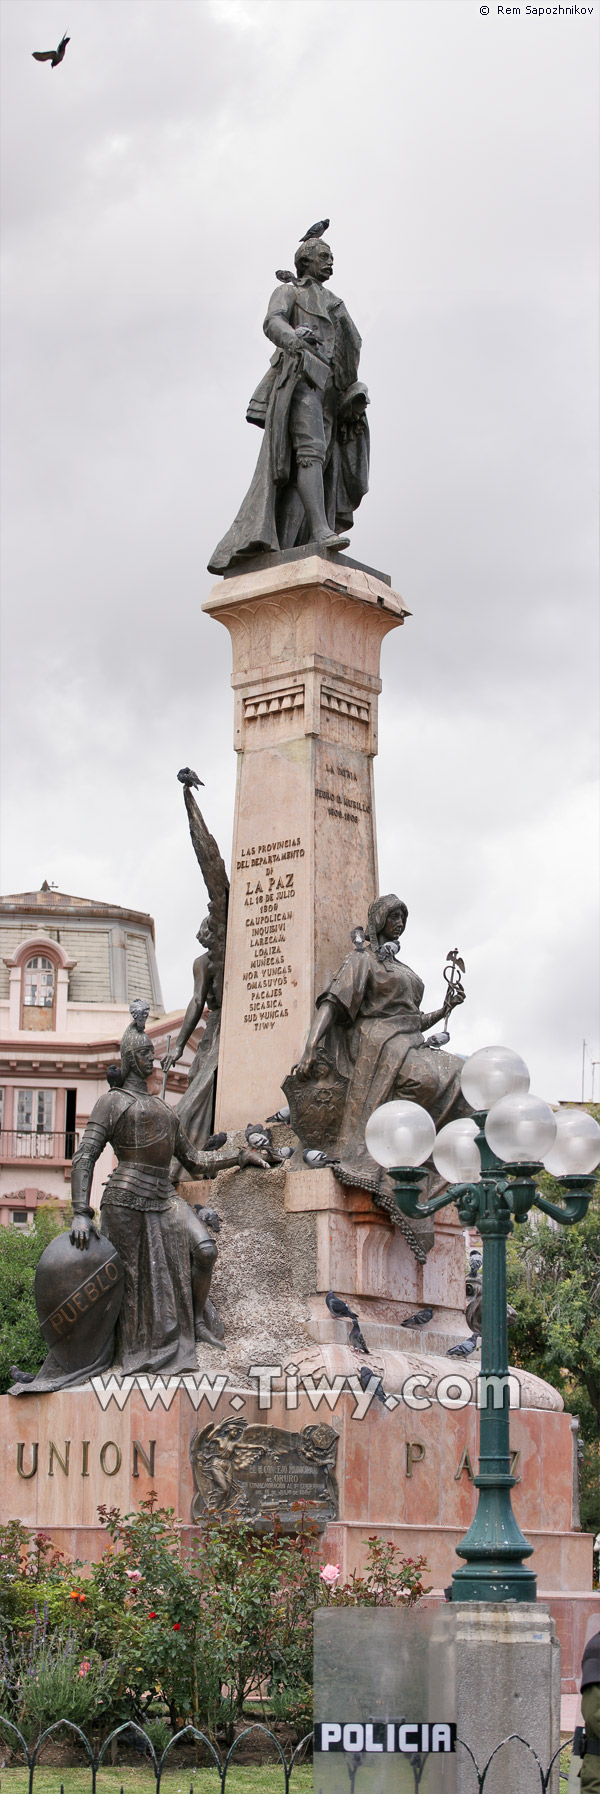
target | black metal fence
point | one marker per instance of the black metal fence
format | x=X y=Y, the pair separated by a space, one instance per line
x=222 y=1764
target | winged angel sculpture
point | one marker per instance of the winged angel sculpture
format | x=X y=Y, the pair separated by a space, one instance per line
x=195 y=1110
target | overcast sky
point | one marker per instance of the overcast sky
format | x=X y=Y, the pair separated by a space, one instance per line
x=151 y=185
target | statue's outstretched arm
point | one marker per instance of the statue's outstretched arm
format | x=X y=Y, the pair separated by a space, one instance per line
x=194 y=1011
x=215 y=878
x=207 y=1164
x=455 y=996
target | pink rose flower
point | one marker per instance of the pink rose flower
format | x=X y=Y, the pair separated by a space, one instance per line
x=134 y=1575
x=84 y=1666
x=330 y=1574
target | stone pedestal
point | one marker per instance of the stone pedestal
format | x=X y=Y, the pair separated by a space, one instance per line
x=306 y=638
x=507 y=1681
x=406 y=1475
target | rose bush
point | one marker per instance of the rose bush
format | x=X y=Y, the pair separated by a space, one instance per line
x=162 y=1631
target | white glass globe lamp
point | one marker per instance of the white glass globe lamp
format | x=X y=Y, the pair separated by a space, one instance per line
x=576 y=1150
x=400 y=1134
x=521 y=1129
x=455 y=1154
x=491 y=1073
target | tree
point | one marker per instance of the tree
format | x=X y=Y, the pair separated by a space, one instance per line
x=21 y=1341
x=554 y=1284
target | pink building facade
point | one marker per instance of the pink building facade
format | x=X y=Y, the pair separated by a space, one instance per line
x=69 y=968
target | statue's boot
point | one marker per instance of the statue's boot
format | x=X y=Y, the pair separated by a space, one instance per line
x=205 y=1337
x=309 y=480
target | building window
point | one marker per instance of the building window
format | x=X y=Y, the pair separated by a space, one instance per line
x=38 y=992
x=34 y=1111
x=39 y=983
x=19 y=1217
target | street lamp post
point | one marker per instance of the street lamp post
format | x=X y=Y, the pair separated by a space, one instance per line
x=495 y=1156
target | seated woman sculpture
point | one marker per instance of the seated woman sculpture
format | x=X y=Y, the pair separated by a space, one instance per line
x=368 y=1032
x=165 y=1248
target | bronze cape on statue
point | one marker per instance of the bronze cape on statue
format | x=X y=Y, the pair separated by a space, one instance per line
x=313 y=466
x=163 y=1248
x=365 y=1047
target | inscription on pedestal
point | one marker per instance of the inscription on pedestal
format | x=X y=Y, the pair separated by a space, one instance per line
x=265 y=1474
x=342 y=798
x=270 y=898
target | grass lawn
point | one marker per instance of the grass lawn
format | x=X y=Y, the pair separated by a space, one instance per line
x=266 y=1779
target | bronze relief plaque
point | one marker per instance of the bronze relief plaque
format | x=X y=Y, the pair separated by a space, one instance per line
x=262 y=1473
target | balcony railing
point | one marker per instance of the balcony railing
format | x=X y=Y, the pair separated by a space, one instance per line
x=26 y=1143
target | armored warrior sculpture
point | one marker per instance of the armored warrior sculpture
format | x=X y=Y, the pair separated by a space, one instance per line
x=166 y=1250
x=195 y=1109
x=313 y=466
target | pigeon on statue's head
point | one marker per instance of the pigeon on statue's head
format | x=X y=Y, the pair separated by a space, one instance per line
x=187 y=776
x=316 y=230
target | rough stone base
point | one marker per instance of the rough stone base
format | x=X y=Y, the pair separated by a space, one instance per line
x=289 y=1235
x=507 y=1680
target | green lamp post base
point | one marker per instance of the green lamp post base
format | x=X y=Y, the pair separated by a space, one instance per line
x=494 y=1547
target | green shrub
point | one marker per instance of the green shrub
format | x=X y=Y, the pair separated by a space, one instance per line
x=200 y=1631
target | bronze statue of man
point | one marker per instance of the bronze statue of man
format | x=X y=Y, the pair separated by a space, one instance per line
x=166 y=1249
x=313 y=466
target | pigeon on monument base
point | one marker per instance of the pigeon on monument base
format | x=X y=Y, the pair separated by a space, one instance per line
x=365 y=1375
x=464 y=1348
x=338 y=1307
x=356 y=1339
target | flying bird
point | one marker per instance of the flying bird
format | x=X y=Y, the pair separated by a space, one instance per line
x=356 y=1339
x=52 y=56
x=418 y=1320
x=365 y=1374
x=188 y=777
x=316 y=230
x=339 y=1307
x=464 y=1349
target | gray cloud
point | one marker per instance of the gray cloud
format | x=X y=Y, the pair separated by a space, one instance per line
x=152 y=185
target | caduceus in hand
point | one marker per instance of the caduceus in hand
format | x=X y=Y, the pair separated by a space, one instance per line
x=452 y=973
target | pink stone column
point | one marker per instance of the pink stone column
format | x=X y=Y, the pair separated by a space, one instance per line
x=306 y=638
